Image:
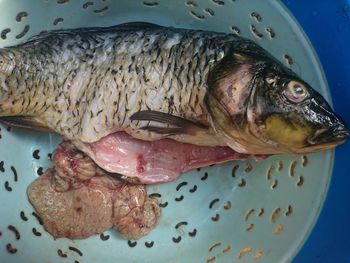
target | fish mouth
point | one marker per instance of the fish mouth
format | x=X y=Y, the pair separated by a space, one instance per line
x=332 y=136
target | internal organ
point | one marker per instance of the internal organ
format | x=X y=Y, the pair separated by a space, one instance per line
x=151 y=162
x=77 y=199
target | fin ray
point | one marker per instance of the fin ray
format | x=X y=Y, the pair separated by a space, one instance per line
x=163 y=130
x=26 y=122
x=179 y=125
x=125 y=26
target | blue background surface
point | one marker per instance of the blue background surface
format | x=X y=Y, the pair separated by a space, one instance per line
x=327 y=24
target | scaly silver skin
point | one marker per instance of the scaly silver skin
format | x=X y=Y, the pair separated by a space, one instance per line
x=86 y=83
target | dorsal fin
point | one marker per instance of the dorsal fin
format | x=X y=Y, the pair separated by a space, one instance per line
x=125 y=26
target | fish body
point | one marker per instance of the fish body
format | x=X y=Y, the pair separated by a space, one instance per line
x=87 y=84
x=152 y=82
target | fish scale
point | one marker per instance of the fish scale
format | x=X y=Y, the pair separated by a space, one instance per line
x=87 y=84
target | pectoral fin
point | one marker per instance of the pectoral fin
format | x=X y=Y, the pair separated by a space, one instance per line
x=164 y=130
x=177 y=125
x=26 y=122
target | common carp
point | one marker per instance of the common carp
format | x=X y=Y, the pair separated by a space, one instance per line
x=201 y=88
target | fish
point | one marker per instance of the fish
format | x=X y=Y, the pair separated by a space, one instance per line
x=152 y=82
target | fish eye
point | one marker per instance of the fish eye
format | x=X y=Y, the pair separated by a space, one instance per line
x=296 y=91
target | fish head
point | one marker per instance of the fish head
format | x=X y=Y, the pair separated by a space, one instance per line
x=286 y=112
x=265 y=108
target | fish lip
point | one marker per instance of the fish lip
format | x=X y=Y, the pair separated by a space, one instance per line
x=335 y=135
x=342 y=132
